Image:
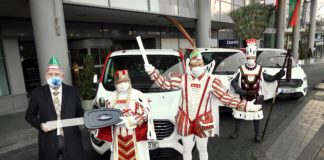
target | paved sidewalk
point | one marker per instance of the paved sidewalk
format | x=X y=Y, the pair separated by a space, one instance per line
x=315 y=61
x=296 y=139
x=315 y=148
x=16 y=132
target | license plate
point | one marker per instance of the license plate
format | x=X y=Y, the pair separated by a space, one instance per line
x=287 y=90
x=153 y=145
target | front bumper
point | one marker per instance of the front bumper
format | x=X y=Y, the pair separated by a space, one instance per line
x=168 y=140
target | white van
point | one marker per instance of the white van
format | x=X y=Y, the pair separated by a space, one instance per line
x=164 y=103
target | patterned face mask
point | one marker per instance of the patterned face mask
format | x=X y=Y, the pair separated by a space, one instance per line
x=54 y=82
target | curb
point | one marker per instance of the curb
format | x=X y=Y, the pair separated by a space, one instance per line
x=314 y=148
x=319 y=87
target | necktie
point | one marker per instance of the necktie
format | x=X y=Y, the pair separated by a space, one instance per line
x=57 y=105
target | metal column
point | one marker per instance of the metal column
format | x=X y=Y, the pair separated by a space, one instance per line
x=281 y=26
x=312 y=24
x=204 y=24
x=50 y=35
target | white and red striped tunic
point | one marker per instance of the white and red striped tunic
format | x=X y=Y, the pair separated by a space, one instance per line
x=195 y=102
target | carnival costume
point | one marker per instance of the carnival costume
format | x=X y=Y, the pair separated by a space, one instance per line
x=129 y=137
x=253 y=84
x=194 y=120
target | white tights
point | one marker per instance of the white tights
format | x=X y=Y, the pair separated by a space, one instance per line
x=188 y=144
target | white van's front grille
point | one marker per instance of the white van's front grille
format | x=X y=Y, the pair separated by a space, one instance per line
x=163 y=129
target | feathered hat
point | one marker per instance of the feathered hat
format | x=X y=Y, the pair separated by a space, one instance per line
x=195 y=55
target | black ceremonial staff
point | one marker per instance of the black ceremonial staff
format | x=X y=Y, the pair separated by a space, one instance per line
x=288 y=60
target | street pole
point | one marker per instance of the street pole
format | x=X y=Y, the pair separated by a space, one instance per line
x=280 y=28
x=312 y=25
x=296 y=37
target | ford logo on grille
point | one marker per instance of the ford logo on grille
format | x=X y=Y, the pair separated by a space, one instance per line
x=104 y=117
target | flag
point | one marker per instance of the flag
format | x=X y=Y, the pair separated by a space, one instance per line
x=294 y=6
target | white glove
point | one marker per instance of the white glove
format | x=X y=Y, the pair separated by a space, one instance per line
x=149 y=68
x=251 y=107
x=123 y=122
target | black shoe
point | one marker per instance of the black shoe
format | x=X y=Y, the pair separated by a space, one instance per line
x=258 y=139
x=234 y=135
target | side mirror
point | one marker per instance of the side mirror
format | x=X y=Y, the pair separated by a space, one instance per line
x=95 y=81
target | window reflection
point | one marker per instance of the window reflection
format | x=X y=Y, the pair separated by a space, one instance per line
x=29 y=64
x=188 y=8
x=116 y=31
x=169 y=7
x=125 y=4
x=215 y=11
x=239 y=2
x=225 y=10
x=229 y=1
x=83 y=30
x=146 y=31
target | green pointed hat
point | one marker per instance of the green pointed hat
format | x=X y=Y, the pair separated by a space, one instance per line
x=195 y=54
x=195 y=57
x=54 y=63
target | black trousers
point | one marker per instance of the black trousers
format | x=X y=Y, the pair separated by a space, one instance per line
x=61 y=152
x=255 y=122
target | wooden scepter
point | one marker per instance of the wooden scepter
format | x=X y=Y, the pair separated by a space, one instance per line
x=289 y=62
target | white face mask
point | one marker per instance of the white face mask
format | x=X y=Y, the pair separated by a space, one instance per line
x=123 y=87
x=251 y=62
x=198 y=71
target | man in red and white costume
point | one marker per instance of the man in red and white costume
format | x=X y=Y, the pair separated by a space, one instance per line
x=194 y=120
x=252 y=83
x=129 y=137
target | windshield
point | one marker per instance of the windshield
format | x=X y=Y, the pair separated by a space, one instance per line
x=135 y=66
x=227 y=63
x=272 y=59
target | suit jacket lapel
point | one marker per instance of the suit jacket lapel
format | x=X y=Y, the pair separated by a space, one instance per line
x=48 y=95
x=65 y=97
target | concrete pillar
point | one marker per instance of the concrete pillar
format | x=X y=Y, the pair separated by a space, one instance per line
x=17 y=100
x=50 y=35
x=281 y=18
x=204 y=24
x=296 y=38
x=13 y=66
x=312 y=25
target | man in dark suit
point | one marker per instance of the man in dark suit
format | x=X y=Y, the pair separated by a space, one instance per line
x=56 y=101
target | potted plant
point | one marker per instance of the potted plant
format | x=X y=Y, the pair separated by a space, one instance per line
x=87 y=91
